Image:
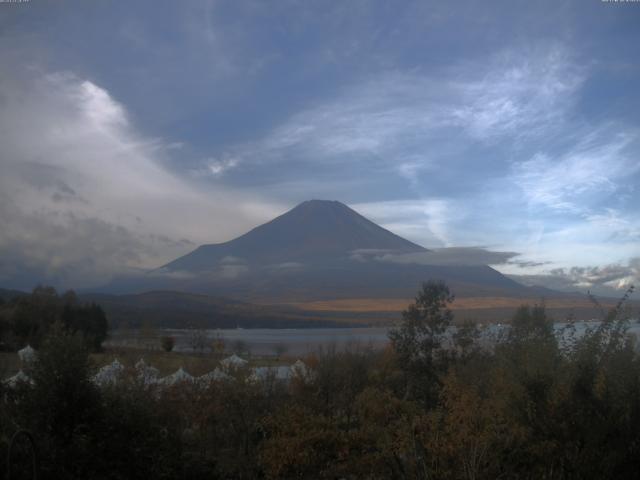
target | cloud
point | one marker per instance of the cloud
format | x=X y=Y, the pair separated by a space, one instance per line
x=528 y=263
x=395 y=118
x=572 y=181
x=84 y=194
x=213 y=167
x=442 y=256
x=426 y=220
x=218 y=167
x=285 y=266
x=620 y=227
x=228 y=268
x=231 y=260
x=231 y=271
x=520 y=97
x=62 y=248
x=609 y=279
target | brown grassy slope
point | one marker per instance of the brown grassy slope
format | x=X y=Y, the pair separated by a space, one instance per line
x=473 y=303
x=484 y=309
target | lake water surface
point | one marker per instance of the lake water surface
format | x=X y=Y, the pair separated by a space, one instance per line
x=292 y=341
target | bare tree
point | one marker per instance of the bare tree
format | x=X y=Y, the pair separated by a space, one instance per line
x=198 y=340
x=218 y=345
x=279 y=349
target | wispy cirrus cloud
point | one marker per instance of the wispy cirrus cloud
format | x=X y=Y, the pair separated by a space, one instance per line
x=574 y=180
x=521 y=94
x=416 y=220
x=619 y=227
x=395 y=119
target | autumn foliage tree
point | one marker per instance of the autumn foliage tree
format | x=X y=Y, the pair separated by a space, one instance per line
x=419 y=342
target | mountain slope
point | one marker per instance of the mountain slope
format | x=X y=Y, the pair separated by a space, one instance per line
x=319 y=250
x=314 y=231
x=171 y=309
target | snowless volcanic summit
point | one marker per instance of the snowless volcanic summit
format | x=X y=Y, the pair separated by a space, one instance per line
x=314 y=231
x=319 y=250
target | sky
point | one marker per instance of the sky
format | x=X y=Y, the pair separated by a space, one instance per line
x=131 y=132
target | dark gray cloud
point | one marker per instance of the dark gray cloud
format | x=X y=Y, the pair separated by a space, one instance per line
x=527 y=263
x=441 y=256
x=63 y=248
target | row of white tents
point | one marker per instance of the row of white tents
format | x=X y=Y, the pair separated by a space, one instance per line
x=114 y=372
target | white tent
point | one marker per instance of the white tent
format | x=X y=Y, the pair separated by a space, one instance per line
x=179 y=376
x=146 y=373
x=212 y=376
x=141 y=364
x=300 y=369
x=19 y=377
x=281 y=372
x=27 y=354
x=109 y=374
x=233 y=361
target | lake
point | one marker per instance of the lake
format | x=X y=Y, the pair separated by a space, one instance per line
x=260 y=341
x=292 y=341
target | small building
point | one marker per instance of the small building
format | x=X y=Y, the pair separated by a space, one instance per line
x=27 y=354
x=146 y=373
x=234 y=361
x=109 y=374
x=280 y=373
x=179 y=376
x=18 y=378
x=213 y=376
x=300 y=369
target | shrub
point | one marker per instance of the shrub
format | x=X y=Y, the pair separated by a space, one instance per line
x=167 y=343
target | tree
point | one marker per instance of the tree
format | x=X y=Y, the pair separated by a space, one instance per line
x=30 y=318
x=461 y=435
x=62 y=407
x=419 y=340
x=466 y=339
x=218 y=345
x=239 y=346
x=198 y=340
x=303 y=444
x=167 y=343
x=279 y=349
x=531 y=323
x=88 y=320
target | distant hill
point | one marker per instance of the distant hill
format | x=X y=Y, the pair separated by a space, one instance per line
x=171 y=309
x=319 y=250
x=185 y=310
x=6 y=294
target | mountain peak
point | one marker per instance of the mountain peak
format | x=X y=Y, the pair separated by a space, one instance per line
x=314 y=230
x=320 y=203
x=317 y=201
